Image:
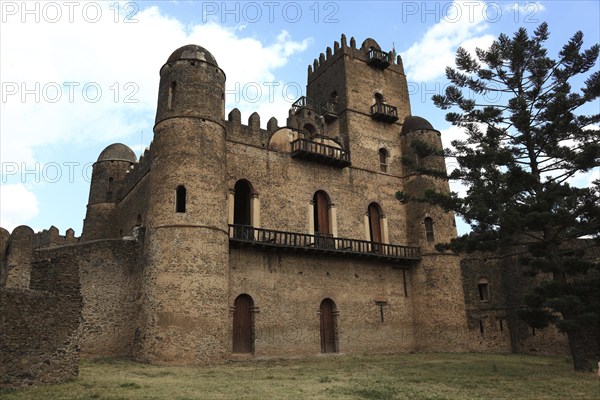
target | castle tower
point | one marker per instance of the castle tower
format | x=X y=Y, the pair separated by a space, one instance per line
x=362 y=95
x=439 y=310
x=185 y=284
x=108 y=179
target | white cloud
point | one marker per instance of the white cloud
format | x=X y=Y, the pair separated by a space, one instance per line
x=427 y=59
x=55 y=62
x=17 y=205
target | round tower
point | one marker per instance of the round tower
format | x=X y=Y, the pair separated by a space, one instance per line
x=438 y=299
x=108 y=180
x=186 y=313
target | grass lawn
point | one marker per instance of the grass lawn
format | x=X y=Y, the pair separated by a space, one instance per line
x=403 y=376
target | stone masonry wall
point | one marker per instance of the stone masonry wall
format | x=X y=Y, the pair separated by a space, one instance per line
x=39 y=339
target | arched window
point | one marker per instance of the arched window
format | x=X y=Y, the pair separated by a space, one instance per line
x=375 y=231
x=383 y=160
x=483 y=287
x=309 y=129
x=321 y=213
x=242 y=211
x=180 y=195
x=138 y=220
x=327 y=313
x=429 y=229
x=243 y=325
x=333 y=97
x=378 y=98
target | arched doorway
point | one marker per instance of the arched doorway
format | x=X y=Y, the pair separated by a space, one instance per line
x=243 y=337
x=375 y=215
x=328 y=331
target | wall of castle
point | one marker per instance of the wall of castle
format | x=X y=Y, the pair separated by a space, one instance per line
x=110 y=276
x=39 y=327
x=287 y=291
x=488 y=318
x=286 y=187
x=133 y=204
x=18 y=257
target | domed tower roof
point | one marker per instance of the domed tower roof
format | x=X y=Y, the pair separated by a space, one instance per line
x=192 y=52
x=117 y=152
x=414 y=123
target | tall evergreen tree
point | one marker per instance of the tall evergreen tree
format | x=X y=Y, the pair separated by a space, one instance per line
x=518 y=163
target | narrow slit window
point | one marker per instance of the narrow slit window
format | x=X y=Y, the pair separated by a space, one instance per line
x=180 y=199
x=383 y=160
x=429 y=230
x=172 y=89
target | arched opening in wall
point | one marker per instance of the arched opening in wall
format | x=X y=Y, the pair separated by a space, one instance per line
x=429 y=229
x=328 y=327
x=375 y=216
x=109 y=188
x=322 y=220
x=138 y=220
x=483 y=288
x=243 y=326
x=383 y=160
x=180 y=199
x=242 y=203
x=309 y=129
x=171 y=97
x=333 y=97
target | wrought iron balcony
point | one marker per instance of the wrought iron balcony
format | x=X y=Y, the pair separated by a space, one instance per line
x=243 y=235
x=378 y=58
x=301 y=103
x=384 y=112
x=307 y=149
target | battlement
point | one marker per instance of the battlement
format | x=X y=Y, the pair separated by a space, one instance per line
x=342 y=48
x=137 y=171
x=252 y=133
x=51 y=237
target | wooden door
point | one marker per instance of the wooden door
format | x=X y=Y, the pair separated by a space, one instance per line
x=375 y=225
x=242 y=324
x=327 y=327
x=321 y=213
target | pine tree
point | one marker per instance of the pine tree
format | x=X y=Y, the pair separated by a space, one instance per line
x=518 y=163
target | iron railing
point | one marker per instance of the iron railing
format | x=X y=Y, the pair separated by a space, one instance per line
x=320 y=243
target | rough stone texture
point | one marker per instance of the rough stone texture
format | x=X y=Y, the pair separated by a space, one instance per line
x=160 y=284
x=39 y=337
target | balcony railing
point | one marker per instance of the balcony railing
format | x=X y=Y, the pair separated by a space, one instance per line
x=384 y=112
x=319 y=152
x=243 y=235
x=301 y=103
x=378 y=58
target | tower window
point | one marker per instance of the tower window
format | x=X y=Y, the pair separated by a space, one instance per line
x=483 y=287
x=180 y=195
x=171 y=95
x=429 y=229
x=383 y=160
x=242 y=203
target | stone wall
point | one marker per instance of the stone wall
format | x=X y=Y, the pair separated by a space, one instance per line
x=39 y=338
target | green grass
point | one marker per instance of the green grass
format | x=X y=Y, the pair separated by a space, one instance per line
x=404 y=376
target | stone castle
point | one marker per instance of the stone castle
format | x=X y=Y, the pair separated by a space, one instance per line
x=228 y=241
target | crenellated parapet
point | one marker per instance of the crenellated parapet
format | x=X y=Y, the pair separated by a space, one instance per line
x=52 y=237
x=252 y=133
x=367 y=52
x=137 y=172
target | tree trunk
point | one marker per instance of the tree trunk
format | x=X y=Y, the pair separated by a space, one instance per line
x=585 y=348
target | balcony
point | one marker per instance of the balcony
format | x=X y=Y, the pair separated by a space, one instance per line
x=248 y=236
x=308 y=150
x=302 y=102
x=378 y=59
x=383 y=112
x=329 y=111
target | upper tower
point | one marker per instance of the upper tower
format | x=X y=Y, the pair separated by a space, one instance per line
x=191 y=85
x=357 y=96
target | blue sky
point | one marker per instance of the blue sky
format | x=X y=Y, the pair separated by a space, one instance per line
x=78 y=76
